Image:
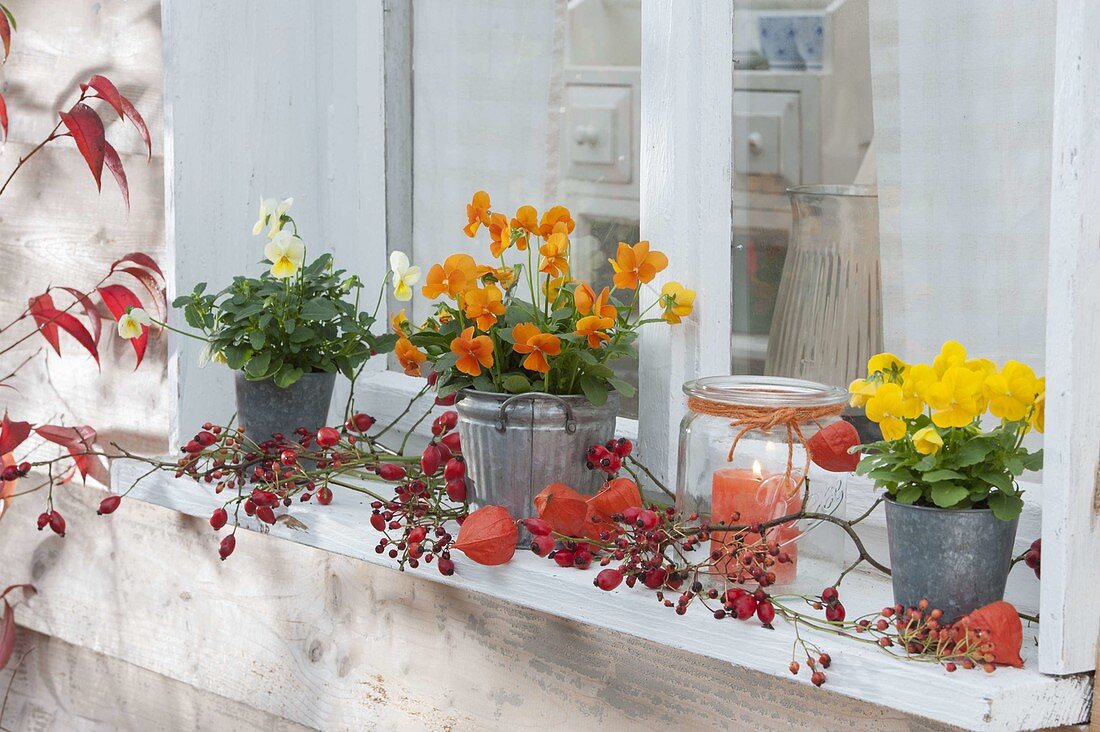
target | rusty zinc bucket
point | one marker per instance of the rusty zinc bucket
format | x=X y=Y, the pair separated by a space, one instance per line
x=517 y=444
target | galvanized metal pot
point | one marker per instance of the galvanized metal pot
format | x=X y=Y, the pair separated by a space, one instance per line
x=265 y=409
x=956 y=559
x=517 y=444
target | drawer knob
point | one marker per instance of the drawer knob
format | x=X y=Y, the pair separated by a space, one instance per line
x=586 y=135
x=756 y=143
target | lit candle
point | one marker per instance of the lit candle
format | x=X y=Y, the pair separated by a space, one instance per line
x=746 y=497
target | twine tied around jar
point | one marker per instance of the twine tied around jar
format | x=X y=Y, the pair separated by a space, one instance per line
x=746 y=418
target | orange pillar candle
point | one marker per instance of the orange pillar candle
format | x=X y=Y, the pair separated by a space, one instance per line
x=737 y=492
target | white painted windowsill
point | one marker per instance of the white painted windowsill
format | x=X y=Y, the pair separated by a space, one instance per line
x=1009 y=699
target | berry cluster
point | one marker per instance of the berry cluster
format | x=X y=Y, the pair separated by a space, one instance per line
x=1033 y=557
x=609 y=457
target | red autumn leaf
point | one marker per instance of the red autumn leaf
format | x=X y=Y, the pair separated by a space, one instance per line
x=39 y=306
x=829 y=447
x=86 y=129
x=615 y=497
x=77 y=440
x=12 y=434
x=106 y=90
x=90 y=310
x=152 y=286
x=7 y=625
x=138 y=258
x=3 y=115
x=488 y=536
x=563 y=508
x=118 y=298
x=998 y=624
x=114 y=164
x=5 y=36
x=49 y=319
x=135 y=117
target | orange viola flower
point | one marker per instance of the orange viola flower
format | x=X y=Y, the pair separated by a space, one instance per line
x=552 y=287
x=500 y=233
x=473 y=353
x=484 y=305
x=527 y=221
x=593 y=328
x=409 y=356
x=556 y=220
x=477 y=213
x=588 y=303
x=400 y=323
x=454 y=276
x=504 y=276
x=555 y=253
x=634 y=264
x=530 y=340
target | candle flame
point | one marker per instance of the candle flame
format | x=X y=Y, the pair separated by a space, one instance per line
x=757 y=470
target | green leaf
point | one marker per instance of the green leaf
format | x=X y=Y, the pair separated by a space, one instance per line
x=623 y=387
x=446 y=362
x=888 y=475
x=926 y=463
x=1033 y=460
x=287 y=375
x=909 y=494
x=247 y=311
x=946 y=495
x=236 y=355
x=973 y=452
x=256 y=367
x=484 y=383
x=935 y=476
x=516 y=384
x=594 y=389
x=257 y=338
x=1005 y=506
x=319 y=308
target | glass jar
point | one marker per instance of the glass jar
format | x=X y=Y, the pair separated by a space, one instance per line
x=743 y=461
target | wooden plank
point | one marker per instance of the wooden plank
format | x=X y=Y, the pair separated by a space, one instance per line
x=332 y=642
x=686 y=199
x=56 y=228
x=61 y=686
x=1071 y=536
x=1009 y=699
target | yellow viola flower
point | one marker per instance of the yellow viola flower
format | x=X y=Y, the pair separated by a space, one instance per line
x=1012 y=392
x=555 y=253
x=557 y=220
x=538 y=345
x=862 y=390
x=956 y=399
x=594 y=328
x=500 y=234
x=983 y=366
x=477 y=213
x=404 y=276
x=454 y=276
x=133 y=323
x=677 y=302
x=400 y=323
x=951 y=354
x=884 y=363
x=889 y=407
x=287 y=254
x=927 y=441
x=409 y=356
x=473 y=352
x=484 y=305
x=1038 y=410
x=526 y=221
x=634 y=264
x=916 y=379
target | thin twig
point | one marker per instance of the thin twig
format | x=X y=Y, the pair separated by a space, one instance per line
x=11 y=681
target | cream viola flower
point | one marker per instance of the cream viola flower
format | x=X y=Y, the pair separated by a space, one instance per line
x=286 y=253
x=404 y=276
x=208 y=354
x=271 y=213
x=131 y=322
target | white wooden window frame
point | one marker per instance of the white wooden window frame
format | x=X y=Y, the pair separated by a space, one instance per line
x=331 y=126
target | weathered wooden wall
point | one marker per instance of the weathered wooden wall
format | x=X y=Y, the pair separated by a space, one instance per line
x=142 y=597
x=55 y=228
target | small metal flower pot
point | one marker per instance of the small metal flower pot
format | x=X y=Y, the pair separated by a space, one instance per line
x=516 y=445
x=956 y=559
x=266 y=409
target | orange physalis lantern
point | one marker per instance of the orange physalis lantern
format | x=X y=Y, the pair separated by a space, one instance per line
x=615 y=497
x=563 y=508
x=488 y=536
x=998 y=624
x=829 y=447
